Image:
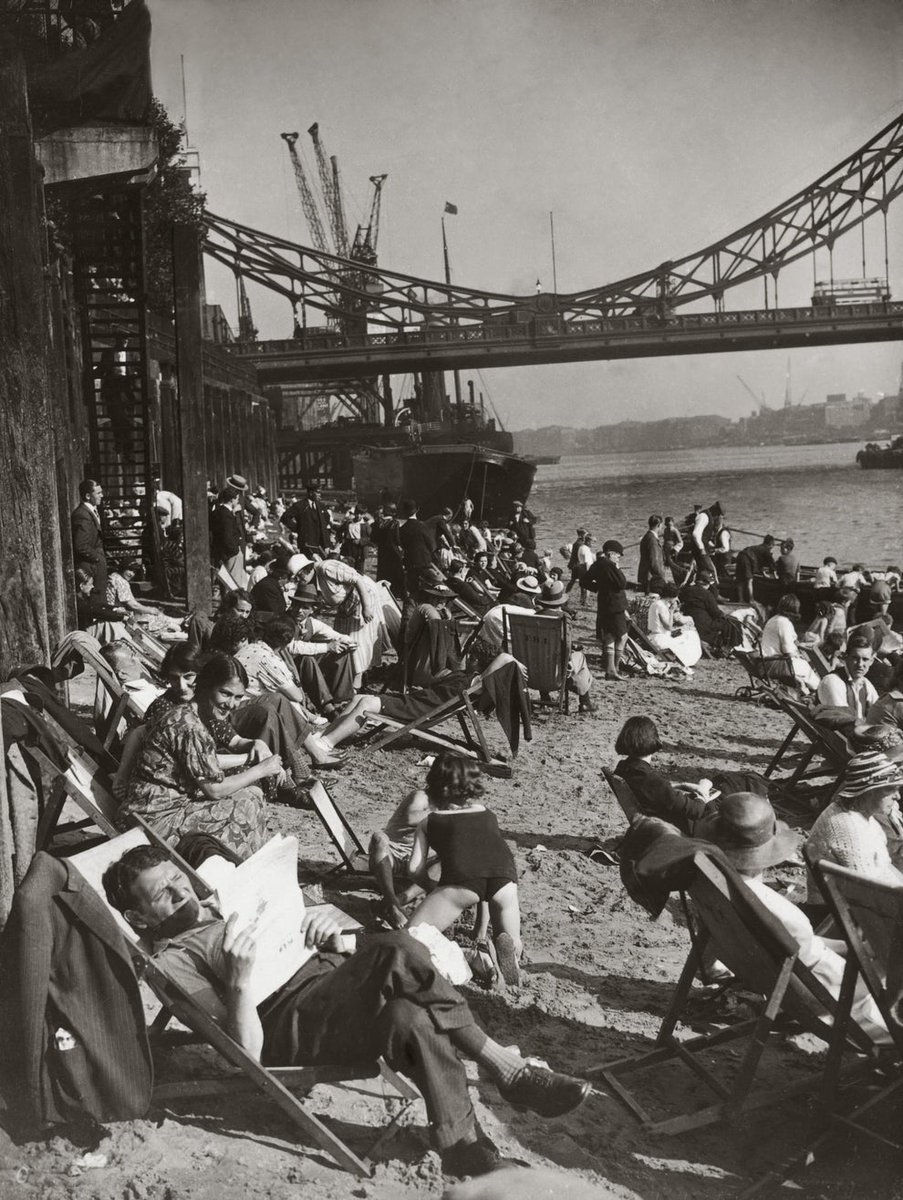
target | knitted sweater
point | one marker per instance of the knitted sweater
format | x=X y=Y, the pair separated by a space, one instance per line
x=852 y=840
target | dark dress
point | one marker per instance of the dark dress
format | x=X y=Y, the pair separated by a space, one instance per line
x=713 y=627
x=657 y=798
x=610 y=584
x=471 y=851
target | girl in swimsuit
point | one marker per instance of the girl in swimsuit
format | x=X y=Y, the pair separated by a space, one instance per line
x=476 y=863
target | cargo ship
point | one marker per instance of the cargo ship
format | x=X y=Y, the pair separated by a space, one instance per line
x=437 y=451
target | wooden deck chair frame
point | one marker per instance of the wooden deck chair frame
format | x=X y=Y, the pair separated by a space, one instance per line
x=820 y=664
x=122 y=705
x=348 y=845
x=82 y=783
x=512 y=622
x=764 y=959
x=623 y=793
x=764 y=685
x=274 y=1082
x=870 y=915
x=830 y=745
x=472 y=745
x=105 y=760
x=151 y=649
x=639 y=635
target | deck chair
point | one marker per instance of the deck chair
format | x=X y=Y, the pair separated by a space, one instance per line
x=870 y=914
x=767 y=678
x=760 y=953
x=541 y=643
x=623 y=793
x=121 y=705
x=274 y=1082
x=391 y=613
x=151 y=649
x=817 y=659
x=829 y=746
x=348 y=845
x=423 y=729
x=68 y=725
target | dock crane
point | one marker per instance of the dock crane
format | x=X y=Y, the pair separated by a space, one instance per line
x=308 y=204
x=331 y=186
x=760 y=400
x=364 y=246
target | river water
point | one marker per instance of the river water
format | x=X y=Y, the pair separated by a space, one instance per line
x=815 y=494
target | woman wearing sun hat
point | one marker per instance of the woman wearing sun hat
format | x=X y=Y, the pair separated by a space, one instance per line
x=357 y=600
x=848 y=832
x=746 y=828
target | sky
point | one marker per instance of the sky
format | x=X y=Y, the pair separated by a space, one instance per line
x=648 y=127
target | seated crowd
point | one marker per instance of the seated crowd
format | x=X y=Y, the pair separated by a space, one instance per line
x=241 y=713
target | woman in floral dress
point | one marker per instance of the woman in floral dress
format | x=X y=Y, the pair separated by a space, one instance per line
x=178 y=784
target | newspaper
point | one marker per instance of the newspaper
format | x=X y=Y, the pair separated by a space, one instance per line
x=264 y=892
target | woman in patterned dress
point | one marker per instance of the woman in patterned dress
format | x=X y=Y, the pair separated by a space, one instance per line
x=360 y=610
x=179 y=784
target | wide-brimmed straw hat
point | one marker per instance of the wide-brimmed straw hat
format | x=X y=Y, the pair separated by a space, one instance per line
x=553 y=595
x=745 y=827
x=870 y=771
x=297 y=562
x=886 y=738
x=529 y=585
x=238 y=482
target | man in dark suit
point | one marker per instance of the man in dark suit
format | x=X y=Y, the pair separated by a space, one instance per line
x=652 y=558
x=309 y=521
x=87 y=535
x=417 y=546
x=226 y=536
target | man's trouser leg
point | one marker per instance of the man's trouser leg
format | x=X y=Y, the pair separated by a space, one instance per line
x=387 y=999
x=312 y=681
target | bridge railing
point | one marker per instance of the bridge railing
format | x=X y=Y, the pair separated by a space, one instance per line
x=546 y=327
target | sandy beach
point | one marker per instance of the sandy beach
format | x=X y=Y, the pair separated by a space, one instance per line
x=598 y=978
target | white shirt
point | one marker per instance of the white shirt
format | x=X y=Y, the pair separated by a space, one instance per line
x=825 y=577
x=586 y=555
x=841 y=692
x=659 y=618
x=778 y=637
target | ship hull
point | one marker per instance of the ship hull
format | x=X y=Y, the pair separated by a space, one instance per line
x=443 y=476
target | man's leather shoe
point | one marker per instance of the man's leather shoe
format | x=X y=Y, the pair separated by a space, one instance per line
x=471 y=1158
x=545 y=1092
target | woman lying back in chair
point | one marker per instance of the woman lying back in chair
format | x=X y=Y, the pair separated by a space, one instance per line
x=683 y=804
x=179 y=783
x=744 y=825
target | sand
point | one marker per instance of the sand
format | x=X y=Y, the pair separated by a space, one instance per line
x=597 y=982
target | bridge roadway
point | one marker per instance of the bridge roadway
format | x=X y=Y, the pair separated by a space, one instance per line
x=325 y=355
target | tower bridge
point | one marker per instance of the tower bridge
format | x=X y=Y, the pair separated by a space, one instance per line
x=379 y=321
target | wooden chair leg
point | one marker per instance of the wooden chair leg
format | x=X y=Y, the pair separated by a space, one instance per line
x=50 y=816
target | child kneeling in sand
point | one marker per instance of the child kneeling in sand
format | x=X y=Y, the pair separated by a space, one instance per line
x=476 y=863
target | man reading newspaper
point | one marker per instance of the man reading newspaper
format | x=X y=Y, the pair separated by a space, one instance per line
x=384 y=1000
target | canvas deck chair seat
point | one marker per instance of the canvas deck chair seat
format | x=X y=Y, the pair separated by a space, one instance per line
x=278 y=1084
x=870 y=916
x=827 y=748
x=391 y=613
x=744 y=936
x=541 y=643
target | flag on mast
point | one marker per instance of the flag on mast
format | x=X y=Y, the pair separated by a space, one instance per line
x=451 y=208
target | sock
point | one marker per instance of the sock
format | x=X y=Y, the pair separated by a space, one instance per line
x=502 y=1064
